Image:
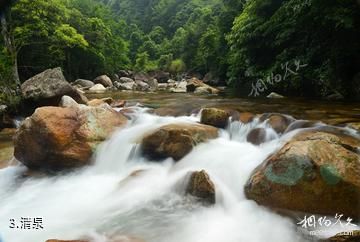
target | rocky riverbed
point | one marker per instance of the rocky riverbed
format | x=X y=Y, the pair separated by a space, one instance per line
x=159 y=166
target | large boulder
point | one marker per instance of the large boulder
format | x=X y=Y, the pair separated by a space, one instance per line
x=176 y=140
x=201 y=186
x=56 y=138
x=103 y=80
x=47 y=88
x=315 y=172
x=215 y=117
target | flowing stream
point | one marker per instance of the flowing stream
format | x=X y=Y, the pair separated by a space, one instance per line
x=105 y=201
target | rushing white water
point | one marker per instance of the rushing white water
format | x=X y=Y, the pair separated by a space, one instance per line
x=101 y=201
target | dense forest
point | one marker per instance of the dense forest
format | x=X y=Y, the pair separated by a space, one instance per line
x=313 y=43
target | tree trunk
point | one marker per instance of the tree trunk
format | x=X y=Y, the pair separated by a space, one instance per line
x=10 y=46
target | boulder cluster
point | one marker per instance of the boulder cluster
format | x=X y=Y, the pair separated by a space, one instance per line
x=158 y=81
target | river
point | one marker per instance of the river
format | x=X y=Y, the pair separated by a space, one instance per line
x=102 y=201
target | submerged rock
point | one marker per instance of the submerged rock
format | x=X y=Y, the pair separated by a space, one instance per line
x=103 y=80
x=56 y=138
x=215 y=117
x=201 y=186
x=315 y=172
x=176 y=140
x=48 y=87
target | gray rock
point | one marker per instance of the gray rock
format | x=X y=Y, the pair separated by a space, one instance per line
x=129 y=86
x=3 y=108
x=84 y=83
x=47 y=85
x=68 y=102
x=162 y=86
x=141 y=86
x=103 y=80
x=153 y=83
x=126 y=80
x=274 y=95
x=335 y=96
x=98 y=88
x=180 y=87
x=202 y=90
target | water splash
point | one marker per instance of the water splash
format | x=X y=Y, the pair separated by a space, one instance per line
x=124 y=194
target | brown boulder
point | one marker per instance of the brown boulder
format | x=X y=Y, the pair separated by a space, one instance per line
x=176 y=140
x=278 y=122
x=257 y=136
x=56 y=138
x=215 y=117
x=246 y=117
x=312 y=167
x=201 y=186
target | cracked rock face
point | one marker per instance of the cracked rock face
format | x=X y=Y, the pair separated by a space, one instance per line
x=315 y=172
